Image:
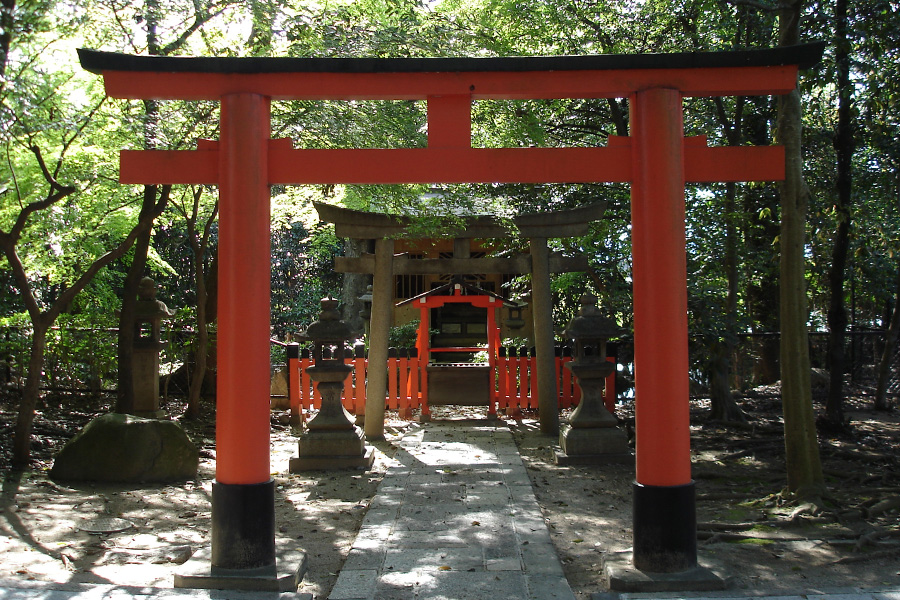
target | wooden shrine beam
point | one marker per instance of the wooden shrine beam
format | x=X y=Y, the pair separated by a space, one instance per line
x=570 y=222
x=459 y=266
x=747 y=73
x=452 y=165
x=749 y=81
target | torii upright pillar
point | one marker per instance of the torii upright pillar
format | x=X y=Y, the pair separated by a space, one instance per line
x=243 y=498
x=665 y=537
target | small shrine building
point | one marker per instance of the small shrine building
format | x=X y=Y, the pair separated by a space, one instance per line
x=404 y=283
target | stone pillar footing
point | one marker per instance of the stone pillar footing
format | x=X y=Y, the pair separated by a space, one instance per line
x=243 y=525
x=624 y=577
x=243 y=553
x=665 y=527
x=284 y=575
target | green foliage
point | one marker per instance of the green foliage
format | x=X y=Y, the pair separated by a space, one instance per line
x=302 y=273
x=405 y=336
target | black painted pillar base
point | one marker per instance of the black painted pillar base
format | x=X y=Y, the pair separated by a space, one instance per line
x=665 y=528
x=243 y=525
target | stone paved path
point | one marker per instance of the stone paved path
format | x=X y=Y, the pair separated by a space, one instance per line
x=457 y=518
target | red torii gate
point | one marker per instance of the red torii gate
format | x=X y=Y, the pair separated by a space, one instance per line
x=656 y=159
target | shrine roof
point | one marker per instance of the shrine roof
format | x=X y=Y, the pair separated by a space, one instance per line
x=552 y=224
x=804 y=56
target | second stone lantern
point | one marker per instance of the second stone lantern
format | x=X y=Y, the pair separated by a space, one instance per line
x=331 y=440
x=591 y=435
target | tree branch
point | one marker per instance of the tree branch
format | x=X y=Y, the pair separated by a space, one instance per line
x=19 y=274
x=142 y=225
x=754 y=4
x=207 y=229
x=56 y=193
x=200 y=19
x=67 y=143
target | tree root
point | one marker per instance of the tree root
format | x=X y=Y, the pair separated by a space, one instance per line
x=710 y=537
x=883 y=506
x=759 y=449
x=865 y=557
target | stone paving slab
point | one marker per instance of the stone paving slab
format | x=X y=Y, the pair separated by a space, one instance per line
x=830 y=594
x=455 y=518
x=33 y=590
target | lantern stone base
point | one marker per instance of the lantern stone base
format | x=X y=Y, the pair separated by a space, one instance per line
x=593 y=446
x=325 y=450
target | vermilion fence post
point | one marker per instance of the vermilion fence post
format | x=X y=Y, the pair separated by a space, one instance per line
x=557 y=365
x=415 y=401
x=293 y=377
x=502 y=398
x=393 y=398
x=403 y=400
x=359 y=374
x=348 y=396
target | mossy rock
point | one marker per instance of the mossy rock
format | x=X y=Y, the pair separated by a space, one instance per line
x=126 y=449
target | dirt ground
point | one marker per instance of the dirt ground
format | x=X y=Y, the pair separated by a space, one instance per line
x=747 y=529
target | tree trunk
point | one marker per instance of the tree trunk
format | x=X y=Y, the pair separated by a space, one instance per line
x=30 y=393
x=354 y=286
x=843 y=144
x=7 y=26
x=722 y=404
x=199 y=245
x=192 y=411
x=887 y=355
x=804 y=467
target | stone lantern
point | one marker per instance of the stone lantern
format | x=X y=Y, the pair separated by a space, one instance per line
x=366 y=312
x=331 y=441
x=148 y=315
x=591 y=435
x=515 y=320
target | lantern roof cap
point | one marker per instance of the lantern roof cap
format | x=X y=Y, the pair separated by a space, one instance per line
x=590 y=323
x=328 y=327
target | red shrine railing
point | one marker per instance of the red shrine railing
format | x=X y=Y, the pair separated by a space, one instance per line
x=514 y=377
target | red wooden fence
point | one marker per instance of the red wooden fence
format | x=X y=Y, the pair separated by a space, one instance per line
x=515 y=384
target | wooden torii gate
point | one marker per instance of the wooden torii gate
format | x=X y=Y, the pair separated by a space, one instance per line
x=656 y=159
x=539 y=264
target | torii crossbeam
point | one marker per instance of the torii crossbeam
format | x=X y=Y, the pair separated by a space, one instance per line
x=656 y=159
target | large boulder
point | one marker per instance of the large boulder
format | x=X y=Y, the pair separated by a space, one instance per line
x=126 y=449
